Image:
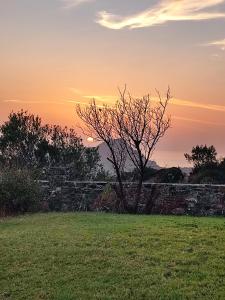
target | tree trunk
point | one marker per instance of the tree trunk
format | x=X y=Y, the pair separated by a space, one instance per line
x=138 y=194
x=154 y=193
x=122 y=203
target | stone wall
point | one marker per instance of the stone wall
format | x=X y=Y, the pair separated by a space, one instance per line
x=179 y=199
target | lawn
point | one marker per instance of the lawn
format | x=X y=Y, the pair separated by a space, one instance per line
x=104 y=256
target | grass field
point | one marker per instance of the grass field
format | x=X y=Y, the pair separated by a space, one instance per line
x=104 y=256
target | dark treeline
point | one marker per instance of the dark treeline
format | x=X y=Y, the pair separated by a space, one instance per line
x=25 y=142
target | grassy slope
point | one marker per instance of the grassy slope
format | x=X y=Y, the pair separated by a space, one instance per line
x=100 y=256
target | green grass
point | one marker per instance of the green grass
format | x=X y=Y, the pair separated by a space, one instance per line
x=104 y=256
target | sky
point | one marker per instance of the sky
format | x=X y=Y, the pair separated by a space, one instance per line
x=55 y=53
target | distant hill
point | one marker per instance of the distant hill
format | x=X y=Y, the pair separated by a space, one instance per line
x=186 y=170
x=104 y=153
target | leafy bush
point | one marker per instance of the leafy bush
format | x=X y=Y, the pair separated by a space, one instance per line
x=19 y=192
x=169 y=175
x=213 y=175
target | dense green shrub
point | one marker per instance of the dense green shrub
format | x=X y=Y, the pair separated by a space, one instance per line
x=19 y=192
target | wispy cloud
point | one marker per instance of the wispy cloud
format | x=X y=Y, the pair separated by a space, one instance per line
x=198 y=121
x=12 y=100
x=20 y=101
x=74 y=3
x=82 y=103
x=163 y=12
x=220 y=44
x=101 y=98
x=192 y=104
x=111 y=99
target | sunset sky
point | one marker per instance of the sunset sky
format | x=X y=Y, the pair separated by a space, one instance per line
x=55 y=53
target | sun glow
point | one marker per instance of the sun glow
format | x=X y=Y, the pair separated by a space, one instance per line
x=90 y=139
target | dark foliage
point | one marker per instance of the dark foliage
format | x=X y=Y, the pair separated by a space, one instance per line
x=202 y=156
x=207 y=168
x=26 y=143
x=169 y=175
x=134 y=175
x=19 y=192
x=214 y=174
x=208 y=176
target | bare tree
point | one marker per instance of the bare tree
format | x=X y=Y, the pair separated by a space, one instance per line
x=101 y=127
x=140 y=123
